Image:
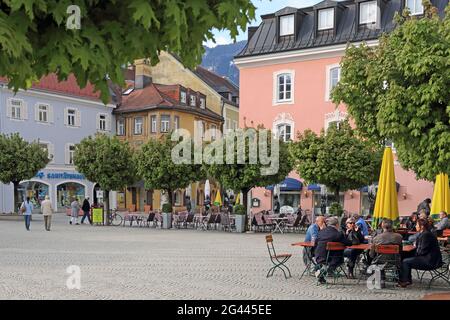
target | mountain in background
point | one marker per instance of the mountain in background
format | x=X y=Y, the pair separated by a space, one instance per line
x=220 y=60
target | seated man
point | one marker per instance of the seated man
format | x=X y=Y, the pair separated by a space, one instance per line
x=442 y=224
x=361 y=224
x=353 y=234
x=388 y=237
x=329 y=234
x=427 y=256
x=311 y=236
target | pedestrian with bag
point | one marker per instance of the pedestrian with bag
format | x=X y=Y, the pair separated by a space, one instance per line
x=27 y=210
x=75 y=209
x=86 y=207
x=47 y=211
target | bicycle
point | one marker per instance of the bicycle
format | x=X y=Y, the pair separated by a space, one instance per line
x=114 y=218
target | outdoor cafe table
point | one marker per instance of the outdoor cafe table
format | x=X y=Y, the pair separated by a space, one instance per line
x=279 y=223
x=133 y=216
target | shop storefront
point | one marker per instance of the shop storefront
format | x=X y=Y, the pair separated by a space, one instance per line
x=35 y=190
x=322 y=199
x=289 y=193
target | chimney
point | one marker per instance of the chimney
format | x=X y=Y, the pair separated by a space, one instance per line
x=142 y=74
x=251 y=32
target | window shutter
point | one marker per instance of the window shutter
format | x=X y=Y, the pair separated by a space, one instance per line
x=51 y=152
x=66 y=154
x=9 y=109
x=50 y=114
x=108 y=122
x=24 y=110
x=97 y=121
x=36 y=112
x=78 y=118
x=65 y=116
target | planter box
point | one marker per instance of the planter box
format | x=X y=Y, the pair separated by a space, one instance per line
x=240 y=222
x=167 y=220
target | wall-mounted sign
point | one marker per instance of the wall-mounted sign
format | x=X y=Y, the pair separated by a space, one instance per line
x=256 y=202
x=60 y=175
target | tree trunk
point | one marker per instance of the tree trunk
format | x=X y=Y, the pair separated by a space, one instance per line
x=16 y=196
x=106 y=207
x=170 y=196
x=247 y=216
x=336 y=195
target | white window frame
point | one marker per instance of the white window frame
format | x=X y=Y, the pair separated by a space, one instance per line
x=283 y=119
x=153 y=123
x=336 y=116
x=202 y=103
x=135 y=132
x=328 y=87
x=50 y=150
x=69 y=154
x=76 y=118
x=213 y=130
x=193 y=101
x=368 y=4
x=101 y=121
x=164 y=123
x=276 y=76
x=329 y=24
x=176 y=122
x=120 y=124
x=39 y=112
x=284 y=136
x=414 y=11
x=183 y=97
x=290 y=25
x=22 y=108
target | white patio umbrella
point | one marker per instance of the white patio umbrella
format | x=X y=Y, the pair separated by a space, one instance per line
x=188 y=191
x=207 y=189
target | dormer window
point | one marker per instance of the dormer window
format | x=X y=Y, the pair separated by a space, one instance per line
x=415 y=6
x=368 y=12
x=326 y=19
x=202 y=103
x=287 y=25
x=193 y=101
x=183 y=97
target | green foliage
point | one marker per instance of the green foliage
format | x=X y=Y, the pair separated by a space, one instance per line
x=159 y=172
x=19 y=159
x=239 y=209
x=399 y=91
x=245 y=176
x=336 y=209
x=34 y=40
x=107 y=161
x=339 y=158
x=167 y=208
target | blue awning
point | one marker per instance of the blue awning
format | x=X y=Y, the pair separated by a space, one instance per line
x=288 y=184
x=314 y=187
x=366 y=188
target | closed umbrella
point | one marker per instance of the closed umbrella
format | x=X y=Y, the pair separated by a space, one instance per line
x=386 y=204
x=441 y=196
x=238 y=198
x=207 y=189
x=218 y=200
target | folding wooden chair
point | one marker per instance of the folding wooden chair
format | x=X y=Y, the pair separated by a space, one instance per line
x=278 y=260
x=389 y=257
x=338 y=272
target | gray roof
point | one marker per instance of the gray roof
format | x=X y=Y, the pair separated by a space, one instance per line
x=265 y=40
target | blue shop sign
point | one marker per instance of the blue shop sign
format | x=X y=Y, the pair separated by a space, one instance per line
x=60 y=175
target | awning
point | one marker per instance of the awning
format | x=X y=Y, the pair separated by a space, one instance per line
x=366 y=188
x=288 y=184
x=314 y=187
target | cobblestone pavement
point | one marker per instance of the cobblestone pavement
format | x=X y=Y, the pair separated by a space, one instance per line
x=143 y=263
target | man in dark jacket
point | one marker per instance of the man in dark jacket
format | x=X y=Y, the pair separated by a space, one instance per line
x=425 y=206
x=276 y=205
x=330 y=234
x=86 y=210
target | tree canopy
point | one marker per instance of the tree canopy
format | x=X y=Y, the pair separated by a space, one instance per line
x=34 y=40
x=20 y=160
x=337 y=158
x=160 y=172
x=399 y=90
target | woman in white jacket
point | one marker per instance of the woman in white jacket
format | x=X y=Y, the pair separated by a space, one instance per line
x=47 y=211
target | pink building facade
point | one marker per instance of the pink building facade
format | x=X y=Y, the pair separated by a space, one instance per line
x=287 y=70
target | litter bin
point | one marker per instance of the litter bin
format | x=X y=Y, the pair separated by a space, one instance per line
x=167 y=220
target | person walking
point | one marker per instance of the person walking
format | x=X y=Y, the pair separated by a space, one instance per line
x=47 y=211
x=27 y=209
x=86 y=207
x=75 y=207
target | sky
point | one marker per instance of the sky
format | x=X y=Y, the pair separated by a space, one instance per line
x=263 y=7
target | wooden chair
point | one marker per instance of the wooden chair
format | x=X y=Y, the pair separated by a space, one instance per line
x=296 y=225
x=150 y=219
x=389 y=257
x=338 y=272
x=278 y=260
x=225 y=222
x=211 y=221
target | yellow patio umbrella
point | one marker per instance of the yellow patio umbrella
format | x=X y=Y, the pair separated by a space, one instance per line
x=441 y=196
x=218 y=200
x=386 y=204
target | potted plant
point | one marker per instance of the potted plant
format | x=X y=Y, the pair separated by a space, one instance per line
x=167 y=215
x=336 y=209
x=240 y=221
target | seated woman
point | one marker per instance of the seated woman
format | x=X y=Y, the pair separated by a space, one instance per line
x=427 y=257
x=411 y=222
x=353 y=234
